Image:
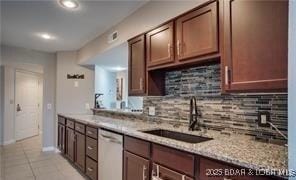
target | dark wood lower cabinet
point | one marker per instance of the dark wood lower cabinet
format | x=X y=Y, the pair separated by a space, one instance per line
x=92 y=169
x=70 y=148
x=80 y=151
x=135 y=167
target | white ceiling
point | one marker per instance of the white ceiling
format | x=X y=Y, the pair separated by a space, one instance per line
x=21 y=21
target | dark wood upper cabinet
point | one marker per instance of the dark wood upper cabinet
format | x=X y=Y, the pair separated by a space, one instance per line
x=70 y=139
x=137 y=66
x=80 y=151
x=255 y=46
x=135 y=167
x=197 y=33
x=160 y=45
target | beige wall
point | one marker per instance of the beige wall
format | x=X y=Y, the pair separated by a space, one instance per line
x=70 y=99
x=150 y=15
x=19 y=58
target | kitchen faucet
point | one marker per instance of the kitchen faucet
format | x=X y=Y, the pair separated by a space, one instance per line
x=193 y=115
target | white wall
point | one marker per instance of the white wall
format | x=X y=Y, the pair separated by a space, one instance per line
x=19 y=58
x=292 y=87
x=71 y=99
x=105 y=83
x=150 y=15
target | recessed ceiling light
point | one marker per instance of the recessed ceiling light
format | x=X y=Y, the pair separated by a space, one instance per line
x=69 y=4
x=45 y=36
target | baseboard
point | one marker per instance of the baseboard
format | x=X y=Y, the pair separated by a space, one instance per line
x=9 y=142
x=49 y=148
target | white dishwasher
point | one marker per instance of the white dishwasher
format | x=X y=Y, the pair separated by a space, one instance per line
x=110 y=155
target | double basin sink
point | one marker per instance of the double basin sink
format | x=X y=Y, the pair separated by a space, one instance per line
x=177 y=136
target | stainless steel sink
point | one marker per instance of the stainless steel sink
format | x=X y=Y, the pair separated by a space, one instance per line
x=177 y=136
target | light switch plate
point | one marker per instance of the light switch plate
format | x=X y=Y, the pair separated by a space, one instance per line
x=151 y=111
x=76 y=83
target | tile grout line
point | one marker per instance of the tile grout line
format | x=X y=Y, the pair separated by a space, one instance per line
x=28 y=161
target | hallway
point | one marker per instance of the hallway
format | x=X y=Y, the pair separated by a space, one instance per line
x=24 y=160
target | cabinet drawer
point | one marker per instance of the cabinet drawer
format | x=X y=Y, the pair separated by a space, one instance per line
x=80 y=127
x=174 y=159
x=92 y=148
x=70 y=123
x=91 y=169
x=137 y=146
x=92 y=132
x=61 y=120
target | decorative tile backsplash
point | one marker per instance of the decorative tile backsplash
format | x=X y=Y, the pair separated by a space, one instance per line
x=233 y=113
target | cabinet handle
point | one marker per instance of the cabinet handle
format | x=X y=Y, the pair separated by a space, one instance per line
x=78 y=127
x=226 y=178
x=226 y=75
x=89 y=147
x=90 y=169
x=178 y=47
x=169 y=49
x=89 y=132
x=144 y=172
x=141 y=83
x=183 y=177
x=155 y=175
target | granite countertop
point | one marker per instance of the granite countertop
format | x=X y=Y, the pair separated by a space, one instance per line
x=235 y=149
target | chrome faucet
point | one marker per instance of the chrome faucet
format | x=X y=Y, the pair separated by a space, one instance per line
x=193 y=121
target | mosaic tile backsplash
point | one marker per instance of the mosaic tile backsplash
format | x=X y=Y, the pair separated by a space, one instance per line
x=232 y=113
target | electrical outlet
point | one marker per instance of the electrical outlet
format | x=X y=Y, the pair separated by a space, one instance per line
x=263 y=119
x=151 y=111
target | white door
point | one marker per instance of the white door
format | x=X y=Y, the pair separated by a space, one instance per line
x=26 y=101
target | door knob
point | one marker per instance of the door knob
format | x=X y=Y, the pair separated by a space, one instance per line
x=18 y=108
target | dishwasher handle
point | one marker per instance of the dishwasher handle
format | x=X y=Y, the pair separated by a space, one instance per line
x=109 y=139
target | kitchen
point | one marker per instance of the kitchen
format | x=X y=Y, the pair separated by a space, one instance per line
x=200 y=93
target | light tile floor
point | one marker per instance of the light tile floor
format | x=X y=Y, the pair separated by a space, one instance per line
x=24 y=160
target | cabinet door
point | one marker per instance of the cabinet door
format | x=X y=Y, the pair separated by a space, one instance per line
x=256 y=39
x=159 y=45
x=167 y=174
x=197 y=33
x=70 y=150
x=61 y=138
x=135 y=167
x=137 y=65
x=80 y=151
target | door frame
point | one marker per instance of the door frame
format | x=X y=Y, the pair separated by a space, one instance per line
x=41 y=81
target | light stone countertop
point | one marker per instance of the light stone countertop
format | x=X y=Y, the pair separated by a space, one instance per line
x=235 y=149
